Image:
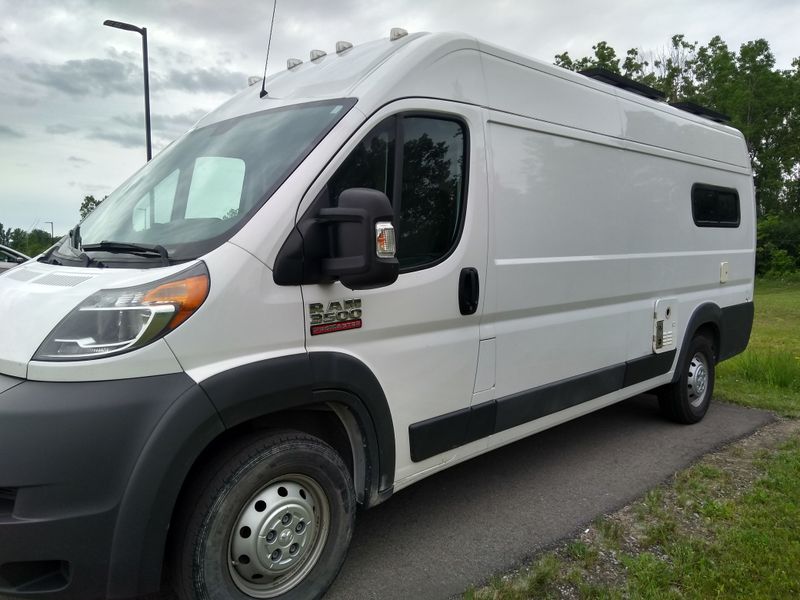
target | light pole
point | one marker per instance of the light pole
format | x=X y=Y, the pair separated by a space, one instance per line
x=51 y=230
x=143 y=32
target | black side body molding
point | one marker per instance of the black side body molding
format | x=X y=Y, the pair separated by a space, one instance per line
x=295 y=381
x=647 y=367
x=445 y=432
x=548 y=399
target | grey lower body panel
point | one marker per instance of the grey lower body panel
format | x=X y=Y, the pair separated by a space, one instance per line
x=68 y=456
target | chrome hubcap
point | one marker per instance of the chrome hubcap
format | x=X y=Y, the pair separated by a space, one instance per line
x=278 y=536
x=697 y=381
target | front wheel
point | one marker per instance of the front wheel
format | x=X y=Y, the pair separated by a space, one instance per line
x=687 y=400
x=270 y=518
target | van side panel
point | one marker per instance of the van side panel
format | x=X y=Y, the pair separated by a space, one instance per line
x=559 y=232
x=591 y=226
x=514 y=88
x=656 y=124
x=670 y=256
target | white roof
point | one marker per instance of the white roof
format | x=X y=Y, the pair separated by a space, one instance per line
x=458 y=67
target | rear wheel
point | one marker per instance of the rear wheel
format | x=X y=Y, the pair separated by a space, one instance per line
x=272 y=518
x=687 y=400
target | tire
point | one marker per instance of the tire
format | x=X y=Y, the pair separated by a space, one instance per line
x=687 y=400
x=271 y=517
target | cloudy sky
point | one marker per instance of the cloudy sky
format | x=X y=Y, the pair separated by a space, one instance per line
x=71 y=114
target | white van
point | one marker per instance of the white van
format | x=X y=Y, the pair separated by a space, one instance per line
x=406 y=254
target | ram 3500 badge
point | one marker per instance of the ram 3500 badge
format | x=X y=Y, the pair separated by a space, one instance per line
x=337 y=316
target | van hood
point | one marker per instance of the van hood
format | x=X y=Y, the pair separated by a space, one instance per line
x=35 y=297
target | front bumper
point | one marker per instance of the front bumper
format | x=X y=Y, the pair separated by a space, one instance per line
x=82 y=466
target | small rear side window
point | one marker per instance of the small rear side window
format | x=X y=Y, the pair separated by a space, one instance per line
x=714 y=206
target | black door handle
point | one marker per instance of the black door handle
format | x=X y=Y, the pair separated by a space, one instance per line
x=468 y=290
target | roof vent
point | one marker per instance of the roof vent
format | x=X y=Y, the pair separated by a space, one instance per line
x=343 y=47
x=253 y=79
x=317 y=54
x=396 y=33
x=293 y=62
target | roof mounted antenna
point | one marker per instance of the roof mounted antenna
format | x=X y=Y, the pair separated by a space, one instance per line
x=269 y=42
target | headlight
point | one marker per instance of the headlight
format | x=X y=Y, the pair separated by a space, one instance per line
x=114 y=321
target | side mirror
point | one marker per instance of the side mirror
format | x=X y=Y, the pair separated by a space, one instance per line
x=362 y=240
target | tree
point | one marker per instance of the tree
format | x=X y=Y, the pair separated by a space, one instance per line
x=38 y=241
x=89 y=204
x=763 y=102
x=30 y=243
x=605 y=57
x=18 y=239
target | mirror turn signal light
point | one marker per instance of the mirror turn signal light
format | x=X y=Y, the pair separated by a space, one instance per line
x=385 y=243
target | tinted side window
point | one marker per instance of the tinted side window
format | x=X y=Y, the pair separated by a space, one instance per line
x=425 y=183
x=714 y=206
x=431 y=192
x=370 y=165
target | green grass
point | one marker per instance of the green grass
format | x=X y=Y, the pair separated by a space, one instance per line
x=538 y=581
x=610 y=532
x=582 y=552
x=730 y=545
x=774 y=369
x=767 y=374
x=753 y=550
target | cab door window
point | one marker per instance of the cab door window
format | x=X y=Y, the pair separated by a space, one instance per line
x=418 y=161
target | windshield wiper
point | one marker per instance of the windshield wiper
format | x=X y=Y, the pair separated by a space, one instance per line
x=130 y=248
x=53 y=257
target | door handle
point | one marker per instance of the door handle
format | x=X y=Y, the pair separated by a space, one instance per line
x=468 y=290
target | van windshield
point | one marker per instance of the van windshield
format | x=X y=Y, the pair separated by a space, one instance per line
x=196 y=193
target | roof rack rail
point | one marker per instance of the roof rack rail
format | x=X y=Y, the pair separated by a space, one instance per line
x=619 y=81
x=702 y=111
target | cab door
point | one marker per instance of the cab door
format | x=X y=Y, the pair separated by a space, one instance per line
x=419 y=335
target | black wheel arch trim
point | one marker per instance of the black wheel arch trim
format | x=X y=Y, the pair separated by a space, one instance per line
x=334 y=371
x=189 y=425
x=295 y=381
x=204 y=412
x=732 y=325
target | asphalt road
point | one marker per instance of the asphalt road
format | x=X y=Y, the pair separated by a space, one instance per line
x=492 y=513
